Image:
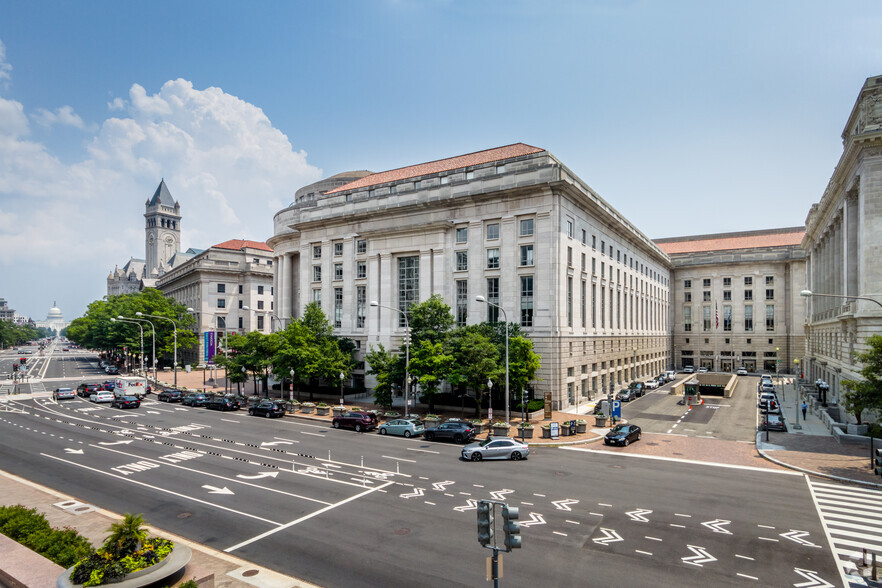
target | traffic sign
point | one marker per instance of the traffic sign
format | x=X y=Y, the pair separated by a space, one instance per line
x=616 y=409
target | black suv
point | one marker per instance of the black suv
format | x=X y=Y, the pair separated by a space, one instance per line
x=195 y=400
x=222 y=403
x=170 y=396
x=86 y=390
x=457 y=431
x=638 y=388
x=267 y=408
x=626 y=395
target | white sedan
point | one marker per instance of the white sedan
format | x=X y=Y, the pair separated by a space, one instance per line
x=101 y=397
x=651 y=384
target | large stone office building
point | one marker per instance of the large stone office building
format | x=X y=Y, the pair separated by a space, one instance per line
x=511 y=224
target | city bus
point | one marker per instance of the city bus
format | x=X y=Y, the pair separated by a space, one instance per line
x=128 y=386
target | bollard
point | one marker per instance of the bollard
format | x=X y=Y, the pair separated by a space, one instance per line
x=875 y=574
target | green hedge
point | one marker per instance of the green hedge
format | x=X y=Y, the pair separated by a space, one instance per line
x=30 y=528
x=532 y=405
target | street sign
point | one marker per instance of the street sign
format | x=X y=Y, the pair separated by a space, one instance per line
x=617 y=409
x=555 y=430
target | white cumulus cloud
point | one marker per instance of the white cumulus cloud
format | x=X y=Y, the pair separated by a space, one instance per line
x=62 y=116
x=5 y=68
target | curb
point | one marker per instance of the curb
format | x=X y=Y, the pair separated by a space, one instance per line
x=811 y=472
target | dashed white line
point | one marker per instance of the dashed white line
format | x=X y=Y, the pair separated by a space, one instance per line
x=603 y=504
x=765 y=527
x=596 y=514
x=427 y=502
x=423 y=478
x=399 y=458
x=767 y=539
x=643 y=552
x=676 y=514
x=477 y=485
x=539 y=495
x=744 y=557
x=680 y=526
x=559 y=533
x=573 y=522
x=313 y=434
x=527 y=503
x=423 y=450
x=746 y=576
x=653 y=538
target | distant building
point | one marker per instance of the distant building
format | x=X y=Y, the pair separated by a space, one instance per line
x=218 y=283
x=54 y=320
x=735 y=300
x=6 y=313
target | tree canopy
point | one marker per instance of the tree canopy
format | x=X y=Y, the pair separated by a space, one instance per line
x=866 y=394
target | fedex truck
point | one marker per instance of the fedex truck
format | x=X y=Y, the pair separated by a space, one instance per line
x=127 y=386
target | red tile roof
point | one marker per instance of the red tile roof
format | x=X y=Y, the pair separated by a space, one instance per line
x=724 y=242
x=238 y=244
x=433 y=167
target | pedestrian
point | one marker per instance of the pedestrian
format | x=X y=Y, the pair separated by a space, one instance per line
x=804 y=409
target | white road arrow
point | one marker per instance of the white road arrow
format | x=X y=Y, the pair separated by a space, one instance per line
x=114 y=443
x=271 y=443
x=258 y=476
x=216 y=490
x=564 y=504
x=701 y=556
x=798 y=537
x=69 y=450
x=814 y=580
x=442 y=486
x=609 y=536
x=716 y=526
x=472 y=505
x=535 y=519
x=417 y=492
x=500 y=494
x=637 y=515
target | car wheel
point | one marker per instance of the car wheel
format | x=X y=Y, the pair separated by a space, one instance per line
x=476 y=456
x=336 y=425
x=407 y=434
x=357 y=428
x=250 y=412
x=457 y=438
x=515 y=455
x=626 y=442
x=639 y=435
x=430 y=436
x=383 y=431
x=268 y=415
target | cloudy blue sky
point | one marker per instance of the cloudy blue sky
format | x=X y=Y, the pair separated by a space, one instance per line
x=688 y=117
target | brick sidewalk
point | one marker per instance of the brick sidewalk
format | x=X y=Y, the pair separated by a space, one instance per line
x=824 y=455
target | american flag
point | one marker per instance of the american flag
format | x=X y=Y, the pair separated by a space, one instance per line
x=716 y=316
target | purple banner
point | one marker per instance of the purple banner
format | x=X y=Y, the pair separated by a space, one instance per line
x=210 y=349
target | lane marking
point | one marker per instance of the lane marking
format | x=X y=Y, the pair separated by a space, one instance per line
x=744 y=557
x=399 y=458
x=653 y=538
x=680 y=526
x=559 y=533
x=313 y=434
x=689 y=461
x=746 y=576
x=767 y=539
x=603 y=504
x=573 y=522
x=423 y=450
x=643 y=552
x=596 y=514
x=676 y=514
x=765 y=526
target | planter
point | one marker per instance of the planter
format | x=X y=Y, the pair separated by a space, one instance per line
x=501 y=431
x=478 y=427
x=564 y=430
x=322 y=410
x=546 y=432
x=431 y=423
x=600 y=422
x=338 y=410
x=307 y=409
x=581 y=427
x=174 y=562
x=293 y=407
x=853 y=429
x=525 y=432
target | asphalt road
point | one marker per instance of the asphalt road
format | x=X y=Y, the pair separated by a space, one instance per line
x=340 y=508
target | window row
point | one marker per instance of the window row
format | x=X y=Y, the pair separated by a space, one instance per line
x=710 y=323
x=360 y=247
x=727 y=282
x=526 y=228
x=222 y=289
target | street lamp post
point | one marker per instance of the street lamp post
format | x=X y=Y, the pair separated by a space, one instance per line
x=796 y=390
x=406 y=353
x=809 y=294
x=175 y=325
x=292 y=386
x=490 y=404
x=505 y=317
x=342 y=377
x=152 y=328
x=123 y=320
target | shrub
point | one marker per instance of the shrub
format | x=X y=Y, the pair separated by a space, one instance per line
x=101 y=567
x=31 y=529
x=189 y=584
x=532 y=405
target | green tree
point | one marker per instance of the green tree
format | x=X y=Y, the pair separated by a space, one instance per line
x=380 y=363
x=125 y=536
x=475 y=360
x=431 y=364
x=523 y=363
x=866 y=394
x=430 y=320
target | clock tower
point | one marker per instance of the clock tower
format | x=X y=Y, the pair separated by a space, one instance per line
x=163 y=230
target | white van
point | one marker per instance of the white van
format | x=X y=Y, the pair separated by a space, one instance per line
x=127 y=386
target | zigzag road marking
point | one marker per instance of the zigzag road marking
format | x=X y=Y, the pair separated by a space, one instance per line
x=637 y=515
x=442 y=486
x=609 y=536
x=564 y=504
x=701 y=556
x=535 y=519
x=797 y=536
x=500 y=494
x=716 y=526
x=814 y=581
x=417 y=492
x=472 y=505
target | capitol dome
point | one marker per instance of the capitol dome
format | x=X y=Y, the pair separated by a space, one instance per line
x=54 y=314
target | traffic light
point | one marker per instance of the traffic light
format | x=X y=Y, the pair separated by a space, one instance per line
x=511 y=527
x=15 y=367
x=22 y=360
x=485 y=523
x=878 y=468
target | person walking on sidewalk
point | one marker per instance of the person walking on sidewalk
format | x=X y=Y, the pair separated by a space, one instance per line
x=804 y=409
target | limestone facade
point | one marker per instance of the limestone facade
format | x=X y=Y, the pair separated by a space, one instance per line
x=843 y=244
x=512 y=224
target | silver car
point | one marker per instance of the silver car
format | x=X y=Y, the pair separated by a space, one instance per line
x=498 y=448
x=405 y=427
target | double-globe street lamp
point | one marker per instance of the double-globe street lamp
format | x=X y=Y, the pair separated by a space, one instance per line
x=406 y=352
x=175 y=325
x=505 y=318
x=121 y=317
x=124 y=320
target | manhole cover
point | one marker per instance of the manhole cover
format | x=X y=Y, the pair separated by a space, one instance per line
x=249 y=573
x=184 y=515
x=401 y=531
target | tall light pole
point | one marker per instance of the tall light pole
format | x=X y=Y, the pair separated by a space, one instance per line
x=342 y=377
x=796 y=390
x=505 y=317
x=809 y=294
x=121 y=317
x=175 y=325
x=292 y=386
x=406 y=353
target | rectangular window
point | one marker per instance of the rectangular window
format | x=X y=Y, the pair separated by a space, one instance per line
x=584 y=237
x=317 y=297
x=569 y=257
x=603 y=308
x=360 y=306
x=526 y=301
x=748 y=281
x=748 y=294
x=602 y=247
x=316 y=251
x=361 y=246
x=316 y=273
x=706 y=282
x=770 y=293
x=462 y=235
x=492 y=231
x=338 y=249
x=727 y=282
x=462 y=302
x=408 y=285
x=593 y=266
x=526 y=227
x=593 y=242
x=619 y=256
x=338 y=271
x=687 y=283
x=338 y=307
x=748 y=318
x=527 y=254
x=770 y=317
x=493 y=258
x=260 y=305
x=727 y=318
x=260 y=289
x=462 y=261
x=770 y=280
x=706 y=296
x=569 y=228
x=687 y=297
x=593 y=306
x=260 y=322
x=493 y=296
x=241 y=304
x=221 y=303
x=221 y=288
x=727 y=294
x=584 y=261
x=361 y=269
x=687 y=318
x=240 y=323
x=706 y=311
x=240 y=288
x=584 y=303
x=569 y=302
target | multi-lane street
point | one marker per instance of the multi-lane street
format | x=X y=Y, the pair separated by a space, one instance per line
x=342 y=508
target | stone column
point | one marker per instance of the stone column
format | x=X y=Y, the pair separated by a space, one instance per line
x=286 y=285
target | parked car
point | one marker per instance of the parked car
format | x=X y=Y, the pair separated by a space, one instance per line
x=651 y=384
x=623 y=435
x=626 y=395
x=457 y=431
x=773 y=422
x=702 y=370
x=767 y=387
x=63 y=393
x=499 y=448
x=767 y=397
x=194 y=400
x=766 y=378
x=268 y=409
x=86 y=390
x=222 y=403
x=103 y=364
x=170 y=395
x=111 y=370
x=125 y=402
x=406 y=427
x=638 y=387
x=108 y=385
x=360 y=421
x=742 y=371
x=688 y=370
x=101 y=397
x=670 y=375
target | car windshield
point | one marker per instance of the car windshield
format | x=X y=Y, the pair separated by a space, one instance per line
x=619 y=429
x=485 y=442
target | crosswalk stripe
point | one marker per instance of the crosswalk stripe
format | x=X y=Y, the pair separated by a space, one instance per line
x=845 y=489
x=840 y=525
x=870 y=514
x=859 y=502
x=873 y=537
